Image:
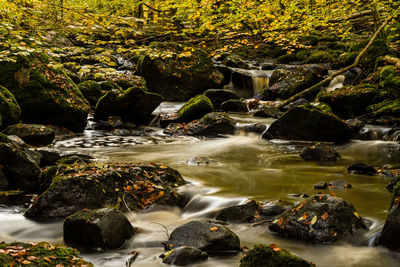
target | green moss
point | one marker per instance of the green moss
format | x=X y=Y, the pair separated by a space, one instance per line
x=195 y=108
x=390 y=80
x=320 y=57
x=387 y=107
x=265 y=256
x=288 y=58
x=43 y=254
x=303 y=55
x=324 y=107
x=91 y=90
x=4 y=138
x=9 y=109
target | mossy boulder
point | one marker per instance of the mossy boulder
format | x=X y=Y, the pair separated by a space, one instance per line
x=39 y=254
x=286 y=59
x=285 y=83
x=320 y=219
x=388 y=107
x=272 y=256
x=135 y=104
x=218 y=96
x=45 y=95
x=195 y=108
x=349 y=101
x=10 y=112
x=178 y=73
x=234 y=105
x=235 y=61
x=320 y=57
x=101 y=228
x=91 y=90
x=310 y=123
x=95 y=186
x=32 y=134
x=390 y=80
x=206 y=236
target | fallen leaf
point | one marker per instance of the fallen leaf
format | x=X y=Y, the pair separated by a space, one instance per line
x=333 y=194
x=273 y=245
x=314 y=220
x=324 y=216
x=31 y=258
x=280 y=221
x=26 y=262
x=47 y=259
x=356 y=214
x=213 y=229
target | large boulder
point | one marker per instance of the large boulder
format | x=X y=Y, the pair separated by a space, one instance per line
x=10 y=112
x=184 y=255
x=94 y=186
x=272 y=256
x=101 y=228
x=91 y=90
x=218 y=96
x=32 y=134
x=349 y=101
x=195 y=108
x=207 y=236
x=319 y=219
x=21 y=170
x=308 y=123
x=285 y=83
x=178 y=74
x=45 y=95
x=135 y=104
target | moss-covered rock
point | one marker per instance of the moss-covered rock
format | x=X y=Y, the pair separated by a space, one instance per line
x=320 y=57
x=390 y=80
x=32 y=134
x=39 y=254
x=4 y=138
x=94 y=186
x=349 y=101
x=195 y=108
x=388 y=107
x=101 y=228
x=272 y=256
x=135 y=104
x=218 y=96
x=45 y=95
x=91 y=90
x=10 y=111
x=178 y=74
x=235 y=61
x=286 y=59
x=307 y=122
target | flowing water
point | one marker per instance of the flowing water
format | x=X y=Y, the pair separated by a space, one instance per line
x=240 y=167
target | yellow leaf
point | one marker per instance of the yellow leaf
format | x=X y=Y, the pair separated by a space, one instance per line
x=356 y=214
x=314 y=220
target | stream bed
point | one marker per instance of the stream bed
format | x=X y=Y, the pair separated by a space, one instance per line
x=238 y=168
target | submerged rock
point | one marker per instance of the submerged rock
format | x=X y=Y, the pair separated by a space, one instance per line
x=308 y=123
x=184 y=255
x=320 y=153
x=94 y=186
x=319 y=219
x=321 y=185
x=361 y=168
x=272 y=256
x=32 y=134
x=339 y=184
x=102 y=228
x=207 y=236
x=239 y=214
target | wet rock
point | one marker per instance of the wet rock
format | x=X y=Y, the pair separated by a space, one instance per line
x=207 y=236
x=75 y=158
x=257 y=128
x=198 y=161
x=91 y=90
x=94 y=186
x=392 y=135
x=212 y=124
x=235 y=61
x=349 y=101
x=389 y=236
x=21 y=171
x=4 y=185
x=243 y=82
x=296 y=103
x=183 y=256
x=393 y=183
x=10 y=112
x=355 y=124
x=268 y=66
x=362 y=169
x=285 y=83
x=272 y=208
x=339 y=184
x=319 y=219
x=267 y=112
x=239 y=214
x=351 y=76
x=113 y=122
x=321 y=153
x=195 y=108
x=32 y=134
x=218 y=96
x=102 y=228
x=134 y=104
x=385 y=110
x=34 y=155
x=308 y=123
x=49 y=156
x=234 y=105
x=271 y=256
x=321 y=185
x=179 y=78
x=13 y=139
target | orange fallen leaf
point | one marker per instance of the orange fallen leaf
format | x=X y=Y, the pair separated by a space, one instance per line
x=47 y=259
x=25 y=262
x=213 y=229
x=333 y=194
x=277 y=249
x=324 y=216
x=280 y=221
x=273 y=245
x=31 y=258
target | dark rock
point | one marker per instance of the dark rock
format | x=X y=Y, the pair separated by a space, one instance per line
x=272 y=256
x=339 y=184
x=134 y=104
x=102 y=125
x=102 y=228
x=319 y=219
x=238 y=214
x=321 y=153
x=392 y=135
x=21 y=171
x=268 y=66
x=179 y=78
x=32 y=134
x=235 y=61
x=352 y=76
x=362 y=169
x=393 y=183
x=296 y=103
x=10 y=112
x=218 y=96
x=355 y=124
x=234 y=105
x=243 y=83
x=226 y=72
x=95 y=186
x=308 y=123
x=257 y=128
x=49 y=156
x=267 y=112
x=321 y=185
x=4 y=185
x=13 y=139
x=34 y=155
x=195 y=108
x=91 y=90
x=207 y=236
x=184 y=255
x=272 y=208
